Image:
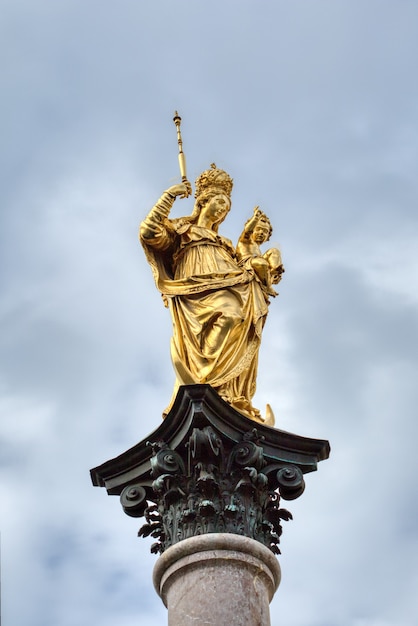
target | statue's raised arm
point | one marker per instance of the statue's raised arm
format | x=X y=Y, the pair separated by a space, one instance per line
x=218 y=305
x=153 y=228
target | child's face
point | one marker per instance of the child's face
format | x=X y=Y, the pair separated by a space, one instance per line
x=260 y=233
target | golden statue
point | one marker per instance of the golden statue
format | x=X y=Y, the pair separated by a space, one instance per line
x=218 y=296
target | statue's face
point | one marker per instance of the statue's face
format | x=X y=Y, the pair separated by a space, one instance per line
x=216 y=208
x=261 y=233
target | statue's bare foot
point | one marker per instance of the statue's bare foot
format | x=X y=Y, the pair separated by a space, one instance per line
x=269 y=419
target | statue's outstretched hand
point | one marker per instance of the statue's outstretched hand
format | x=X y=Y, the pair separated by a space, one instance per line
x=182 y=189
x=257 y=211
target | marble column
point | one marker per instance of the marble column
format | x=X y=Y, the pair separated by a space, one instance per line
x=217 y=579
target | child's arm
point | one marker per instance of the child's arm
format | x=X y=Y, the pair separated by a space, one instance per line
x=249 y=226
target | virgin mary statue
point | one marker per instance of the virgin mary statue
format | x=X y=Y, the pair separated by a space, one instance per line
x=218 y=307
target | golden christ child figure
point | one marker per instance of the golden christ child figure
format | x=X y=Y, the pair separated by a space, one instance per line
x=218 y=297
x=267 y=266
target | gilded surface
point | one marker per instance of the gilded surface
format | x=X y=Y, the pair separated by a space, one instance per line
x=218 y=295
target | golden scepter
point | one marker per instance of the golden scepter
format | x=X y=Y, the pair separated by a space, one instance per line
x=182 y=158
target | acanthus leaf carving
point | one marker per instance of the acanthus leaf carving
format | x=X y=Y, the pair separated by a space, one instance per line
x=223 y=490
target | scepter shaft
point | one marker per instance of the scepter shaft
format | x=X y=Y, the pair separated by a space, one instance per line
x=182 y=158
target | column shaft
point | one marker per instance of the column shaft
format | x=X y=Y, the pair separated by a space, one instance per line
x=217 y=579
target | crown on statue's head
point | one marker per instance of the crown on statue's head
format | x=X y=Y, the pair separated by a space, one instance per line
x=214 y=179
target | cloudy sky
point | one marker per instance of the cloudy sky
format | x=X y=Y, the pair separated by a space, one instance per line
x=312 y=107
